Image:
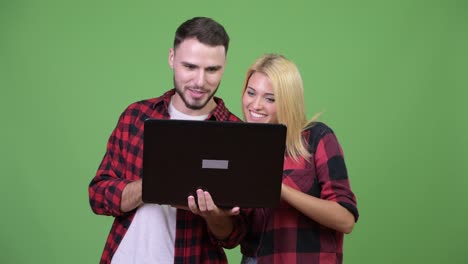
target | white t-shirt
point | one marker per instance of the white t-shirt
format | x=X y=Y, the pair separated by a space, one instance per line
x=151 y=235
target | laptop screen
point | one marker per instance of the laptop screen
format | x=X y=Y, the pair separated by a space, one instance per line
x=240 y=164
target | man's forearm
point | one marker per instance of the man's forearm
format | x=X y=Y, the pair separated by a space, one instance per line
x=131 y=196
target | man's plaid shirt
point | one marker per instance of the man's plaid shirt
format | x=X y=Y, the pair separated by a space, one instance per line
x=122 y=163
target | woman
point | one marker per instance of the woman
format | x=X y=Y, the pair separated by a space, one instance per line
x=317 y=205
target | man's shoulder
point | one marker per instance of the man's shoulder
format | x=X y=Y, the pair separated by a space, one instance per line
x=149 y=104
x=233 y=118
x=140 y=106
x=226 y=116
x=143 y=103
x=222 y=113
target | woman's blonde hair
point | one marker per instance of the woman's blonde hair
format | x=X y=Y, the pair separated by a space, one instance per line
x=289 y=98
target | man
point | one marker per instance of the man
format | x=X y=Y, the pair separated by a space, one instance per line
x=153 y=233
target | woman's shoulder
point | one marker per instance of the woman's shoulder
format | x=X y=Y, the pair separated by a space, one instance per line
x=314 y=132
x=317 y=128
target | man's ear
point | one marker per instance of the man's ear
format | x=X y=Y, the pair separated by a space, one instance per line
x=171 y=58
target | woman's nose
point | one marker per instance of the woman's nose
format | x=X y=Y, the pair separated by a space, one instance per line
x=257 y=103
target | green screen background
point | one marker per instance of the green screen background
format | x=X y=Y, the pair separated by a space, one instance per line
x=390 y=76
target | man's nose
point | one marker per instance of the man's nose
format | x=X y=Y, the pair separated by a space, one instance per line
x=200 y=78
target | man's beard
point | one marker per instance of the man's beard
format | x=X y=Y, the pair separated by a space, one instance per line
x=196 y=105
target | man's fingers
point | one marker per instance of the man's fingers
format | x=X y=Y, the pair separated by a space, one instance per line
x=234 y=211
x=201 y=200
x=192 y=205
x=210 y=206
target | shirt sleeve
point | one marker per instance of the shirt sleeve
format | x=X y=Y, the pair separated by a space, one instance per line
x=105 y=189
x=332 y=173
x=238 y=232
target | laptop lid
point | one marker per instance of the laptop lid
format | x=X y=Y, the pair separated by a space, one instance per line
x=240 y=164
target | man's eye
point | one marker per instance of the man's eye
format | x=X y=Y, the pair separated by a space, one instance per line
x=211 y=70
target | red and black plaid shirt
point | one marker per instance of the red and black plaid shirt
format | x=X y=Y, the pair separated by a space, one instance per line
x=285 y=235
x=122 y=163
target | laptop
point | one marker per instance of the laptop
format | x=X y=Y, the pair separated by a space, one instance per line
x=239 y=164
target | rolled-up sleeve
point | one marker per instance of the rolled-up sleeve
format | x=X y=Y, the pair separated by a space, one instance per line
x=105 y=189
x=238 y=232
x=332 y=173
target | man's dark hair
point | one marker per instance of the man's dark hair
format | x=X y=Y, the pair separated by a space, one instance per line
x=205 y=30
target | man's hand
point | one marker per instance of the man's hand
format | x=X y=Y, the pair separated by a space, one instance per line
x=219 y=220
x=206 y=206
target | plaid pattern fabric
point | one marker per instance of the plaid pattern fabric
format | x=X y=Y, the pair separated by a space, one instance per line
x=122 y=163
x=284 y=235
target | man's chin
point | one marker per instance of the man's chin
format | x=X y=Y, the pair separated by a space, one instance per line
x=195 y=105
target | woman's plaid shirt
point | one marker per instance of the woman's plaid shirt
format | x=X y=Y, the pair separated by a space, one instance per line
x=285 y=235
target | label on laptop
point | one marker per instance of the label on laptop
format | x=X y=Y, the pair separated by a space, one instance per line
x=215 y=164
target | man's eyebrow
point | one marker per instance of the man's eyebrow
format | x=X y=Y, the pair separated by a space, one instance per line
x=214 y=68
x=189 y=64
